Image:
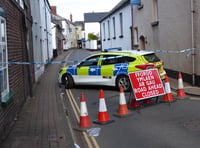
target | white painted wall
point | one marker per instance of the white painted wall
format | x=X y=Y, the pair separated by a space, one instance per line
x=66 y=35
x=125 y=42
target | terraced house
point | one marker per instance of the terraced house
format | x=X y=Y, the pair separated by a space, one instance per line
x=15 y=45
x=169 y=26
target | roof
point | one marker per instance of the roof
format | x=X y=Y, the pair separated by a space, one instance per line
x=119 y=6
x=94 y=16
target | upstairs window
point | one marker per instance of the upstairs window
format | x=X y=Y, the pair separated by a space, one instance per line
x=104 y=32
x=121 y=25
x=3 y=59
x=21 y=3
x=108 y=30
x=154 y=10
x=114 y=28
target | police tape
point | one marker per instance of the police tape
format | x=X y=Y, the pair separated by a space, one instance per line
x=73 y=62
x=174 y=51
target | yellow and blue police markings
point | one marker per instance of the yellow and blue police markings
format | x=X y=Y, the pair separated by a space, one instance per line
x=105 y=70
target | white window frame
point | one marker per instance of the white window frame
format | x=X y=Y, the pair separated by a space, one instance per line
x=3 y=58
x=108 y=29
x=114 y=28
x=136 y=38
x=21 y=3
x=155 y=10
x=121 y=24
x=104 y=31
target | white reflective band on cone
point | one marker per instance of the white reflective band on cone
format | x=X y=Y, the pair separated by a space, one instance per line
x=102 y=106
x=84 y=111
x=167 y=88
x=122 y=99
x=180 y=84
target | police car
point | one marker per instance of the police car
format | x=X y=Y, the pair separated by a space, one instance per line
x=109 y=69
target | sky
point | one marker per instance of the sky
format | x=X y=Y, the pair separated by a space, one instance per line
x=78 y=7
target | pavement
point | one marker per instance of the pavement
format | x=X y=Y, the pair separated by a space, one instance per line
x=42 y=121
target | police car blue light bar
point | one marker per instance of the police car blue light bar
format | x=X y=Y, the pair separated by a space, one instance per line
x=113 y=49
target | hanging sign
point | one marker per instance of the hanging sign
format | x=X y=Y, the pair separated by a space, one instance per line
x=135 y=2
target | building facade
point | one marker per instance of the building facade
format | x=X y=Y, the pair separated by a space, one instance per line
x=15 y=45
x=173 y=27
x=42 y=34
x=170 y=27
x=116 y=27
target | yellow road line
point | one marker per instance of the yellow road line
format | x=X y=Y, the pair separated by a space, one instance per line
x=76 y=112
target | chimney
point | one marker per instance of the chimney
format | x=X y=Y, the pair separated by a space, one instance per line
x=71 y=17
x=53 y=10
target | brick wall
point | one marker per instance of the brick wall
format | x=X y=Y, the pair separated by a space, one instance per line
x=19 y=80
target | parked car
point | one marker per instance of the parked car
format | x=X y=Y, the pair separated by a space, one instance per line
x=110 y=69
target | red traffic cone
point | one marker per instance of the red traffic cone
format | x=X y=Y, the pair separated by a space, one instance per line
x=168 y=96
x=147 y=101
x=84 y=119
x=103 y=117
x=134 y=104
x=181 y=92
x=123 y=110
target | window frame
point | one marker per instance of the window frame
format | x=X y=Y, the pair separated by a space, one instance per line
x=154 y=11
x=4 y=84
x=121 y=24
x=114 y=28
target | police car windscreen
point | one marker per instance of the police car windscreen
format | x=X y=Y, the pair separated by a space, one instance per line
x=151 y=57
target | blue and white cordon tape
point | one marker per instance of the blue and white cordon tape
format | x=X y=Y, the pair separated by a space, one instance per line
x=68 y=62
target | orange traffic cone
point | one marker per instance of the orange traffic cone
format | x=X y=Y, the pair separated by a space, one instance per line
x=134 y=103
x=84 y=119
x=103 y=117
x=181 y=92
x=123 y=110
x=168 y=96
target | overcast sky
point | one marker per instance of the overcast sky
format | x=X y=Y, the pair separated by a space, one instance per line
x=78 y=7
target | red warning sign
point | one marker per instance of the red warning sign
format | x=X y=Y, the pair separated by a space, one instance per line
x=146 y=84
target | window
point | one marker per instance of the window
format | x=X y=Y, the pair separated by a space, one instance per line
x=135 y=36
x=121 y=25
x=21 y=3
x=91 y=61
x=114 y=29
x=108 y=30
x=151 y=58
x=104 y=32
x=112 y=59
x=155 y=12
x=3 y=58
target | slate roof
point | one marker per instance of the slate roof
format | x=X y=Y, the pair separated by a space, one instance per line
x=94 y=16
x=119 y=6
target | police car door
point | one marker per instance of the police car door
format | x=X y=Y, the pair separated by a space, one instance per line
x=88 y=71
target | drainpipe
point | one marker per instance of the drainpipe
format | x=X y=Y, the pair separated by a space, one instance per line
x=47 y=31
x=132 y=42
x=193 y=51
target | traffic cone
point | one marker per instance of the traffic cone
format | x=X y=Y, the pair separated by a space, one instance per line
x=122 y=110
x=134 y=103
x=84 y=123
x=180 y=92
x=147 y=101
x=103 y=117
x=168 y=96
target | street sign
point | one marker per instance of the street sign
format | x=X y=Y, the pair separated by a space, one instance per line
x=146 y=84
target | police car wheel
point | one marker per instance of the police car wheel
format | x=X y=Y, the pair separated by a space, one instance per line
x=124 y=81
x=68 y=81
